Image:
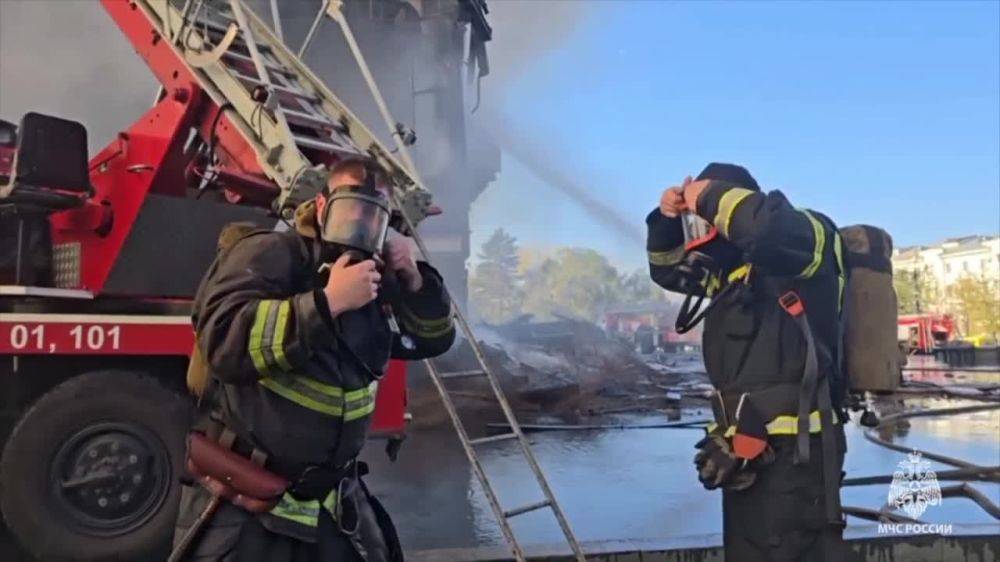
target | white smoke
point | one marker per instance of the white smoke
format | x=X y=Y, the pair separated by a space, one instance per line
x=68 y=58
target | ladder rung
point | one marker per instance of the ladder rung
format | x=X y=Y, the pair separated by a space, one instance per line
x=247 y=60
x=460 y=374
x=526 y=508
x=221 y=29
x=317 y=144
x=492 y=438
x=300 y=118
x=278 y=88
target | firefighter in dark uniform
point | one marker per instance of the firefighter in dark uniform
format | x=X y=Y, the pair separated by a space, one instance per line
x=771 y=278
x=294 y=327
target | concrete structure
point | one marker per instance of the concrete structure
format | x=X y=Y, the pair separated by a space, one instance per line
x=968 y=543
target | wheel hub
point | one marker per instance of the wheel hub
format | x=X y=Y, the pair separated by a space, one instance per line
x=111 y=477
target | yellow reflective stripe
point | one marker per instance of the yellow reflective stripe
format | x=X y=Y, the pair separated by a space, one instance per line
x=727 y=205
x=819 y=234
x=781 y=425
x=278 y=346
x=297 y=390
x=303 y=512
x=330 y=503
x=255 y=344
x=322 y=388
x=838 y=251
x=325 y=399
x=711 y=284
x=367 y=392
x=360 y=403
x=424 y=328
x=789 y=425
x=427 y=323
x=360 y=412
x=669 y=257
x=739 y=273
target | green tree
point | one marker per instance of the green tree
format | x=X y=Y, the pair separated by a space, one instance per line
x=978 y=302
x=638 y=287
x=576 y=282
x=916 y=291
x=495 y=286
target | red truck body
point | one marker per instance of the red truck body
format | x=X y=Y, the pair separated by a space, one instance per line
x=96 y=339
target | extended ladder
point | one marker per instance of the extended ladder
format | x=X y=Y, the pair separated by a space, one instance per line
x=286 y=113
x=332 y=9
x=293 y=120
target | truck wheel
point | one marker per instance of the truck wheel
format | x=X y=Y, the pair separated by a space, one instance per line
x=90 y=472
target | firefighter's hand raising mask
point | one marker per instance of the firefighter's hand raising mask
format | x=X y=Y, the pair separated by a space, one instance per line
x=672 y=202
x=351 y=286
x=399 y=259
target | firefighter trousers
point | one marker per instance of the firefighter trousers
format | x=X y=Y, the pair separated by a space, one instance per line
x=782 y=516
x=234 y=535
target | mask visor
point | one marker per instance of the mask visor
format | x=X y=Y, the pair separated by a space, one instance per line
x=357 y=218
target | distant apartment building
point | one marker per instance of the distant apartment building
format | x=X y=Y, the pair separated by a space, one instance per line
x=947 y=262
x=941 y=265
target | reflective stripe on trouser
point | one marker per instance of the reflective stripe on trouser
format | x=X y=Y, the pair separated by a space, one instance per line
x=781 y=425
x=323 y=398
x=267 y=337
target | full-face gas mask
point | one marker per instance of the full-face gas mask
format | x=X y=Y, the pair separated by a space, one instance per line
x=706 y=254
x=356 y=217
x=698 y=274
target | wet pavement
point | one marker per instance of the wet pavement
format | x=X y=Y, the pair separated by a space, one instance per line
x=639 y=484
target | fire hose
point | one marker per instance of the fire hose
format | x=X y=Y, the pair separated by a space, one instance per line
x=965 y=471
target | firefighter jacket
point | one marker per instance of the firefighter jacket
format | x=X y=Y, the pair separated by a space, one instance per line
x=764 y=248
x=296 y=383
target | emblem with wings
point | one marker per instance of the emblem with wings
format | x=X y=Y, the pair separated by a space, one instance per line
x=914 y=486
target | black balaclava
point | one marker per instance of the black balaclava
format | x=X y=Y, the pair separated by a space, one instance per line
x=730 y=173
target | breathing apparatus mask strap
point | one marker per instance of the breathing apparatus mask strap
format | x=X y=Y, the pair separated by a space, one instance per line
x=697 y=274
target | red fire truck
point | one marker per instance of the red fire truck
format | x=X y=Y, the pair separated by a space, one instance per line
x=921 y=333
x=100 y=258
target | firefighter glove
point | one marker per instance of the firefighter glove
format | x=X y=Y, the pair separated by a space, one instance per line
x=718 y=466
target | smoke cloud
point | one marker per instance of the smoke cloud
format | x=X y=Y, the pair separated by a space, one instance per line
x=68 y=58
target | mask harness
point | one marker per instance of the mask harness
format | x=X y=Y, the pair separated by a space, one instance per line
x=698 y=277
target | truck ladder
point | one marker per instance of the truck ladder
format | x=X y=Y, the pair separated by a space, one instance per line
x=283 y=110
x=293 y=120
x=469 y=445
x=332 y=9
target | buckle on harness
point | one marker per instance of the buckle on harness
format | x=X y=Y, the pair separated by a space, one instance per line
x=792 y=304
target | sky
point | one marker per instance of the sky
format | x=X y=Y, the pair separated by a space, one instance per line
x=884 y=113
